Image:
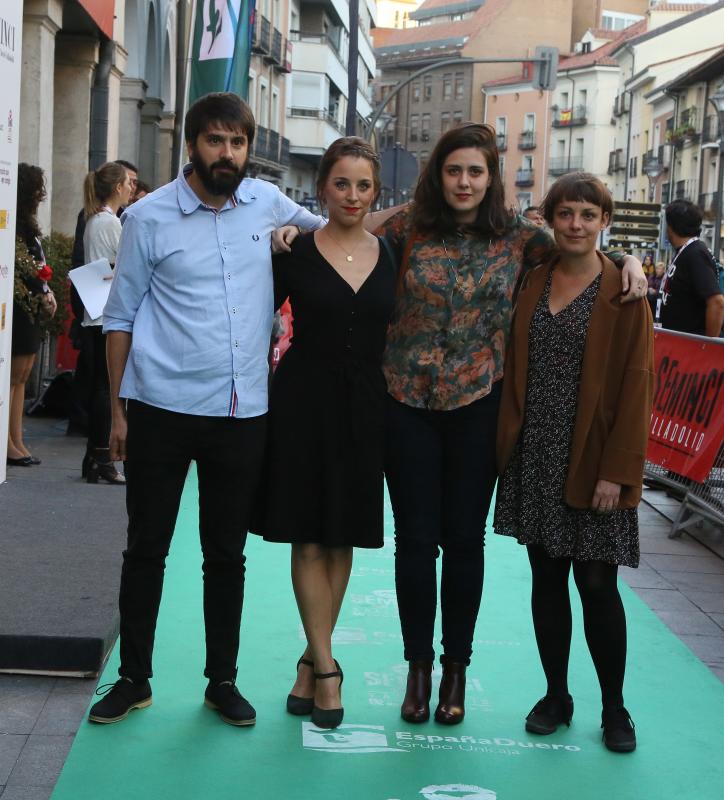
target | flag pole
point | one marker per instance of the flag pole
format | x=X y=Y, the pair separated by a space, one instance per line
x=184 y=44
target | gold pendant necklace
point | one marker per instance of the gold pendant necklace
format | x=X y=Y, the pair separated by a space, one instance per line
x=341 y=247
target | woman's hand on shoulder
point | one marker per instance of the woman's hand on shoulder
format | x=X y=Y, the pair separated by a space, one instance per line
x=634 y=284
x=283 y=237
x=606 y=496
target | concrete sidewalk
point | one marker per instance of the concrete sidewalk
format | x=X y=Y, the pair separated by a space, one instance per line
x=682 y=580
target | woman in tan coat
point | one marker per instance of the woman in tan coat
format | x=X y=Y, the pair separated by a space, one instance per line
x=572 y=439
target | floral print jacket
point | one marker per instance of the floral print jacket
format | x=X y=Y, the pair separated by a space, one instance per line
x=446 y=344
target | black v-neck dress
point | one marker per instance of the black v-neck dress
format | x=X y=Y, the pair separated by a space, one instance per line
x=323 y=482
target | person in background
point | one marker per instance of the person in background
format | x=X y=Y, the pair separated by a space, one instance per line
x=691 y=298
x=655 y=285
x=532 y=213
x=648 y=265
x=142 y=189
x=26 y=332
x=572 y=438
x=105 y=191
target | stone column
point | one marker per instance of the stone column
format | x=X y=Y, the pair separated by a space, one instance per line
x=148 y=163
x=115 y=103
x=42 y=19
x=76 y=58
x=166 y=170
x=132 y=98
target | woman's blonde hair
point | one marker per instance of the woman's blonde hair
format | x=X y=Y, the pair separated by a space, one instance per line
x=99 y=185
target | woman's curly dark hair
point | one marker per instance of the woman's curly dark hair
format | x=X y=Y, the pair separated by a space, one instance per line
x=31 y=193
x=431 y=213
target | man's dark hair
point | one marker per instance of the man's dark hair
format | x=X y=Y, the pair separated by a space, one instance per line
x=225 y=109
x=127 y=165
x=684 y=218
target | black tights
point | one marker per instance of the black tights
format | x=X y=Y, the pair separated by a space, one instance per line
x=604 y=621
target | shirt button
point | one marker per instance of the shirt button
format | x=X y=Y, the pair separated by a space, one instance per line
x=233 y=311
x=228 y=275
x=349 y=347
x=349 y=329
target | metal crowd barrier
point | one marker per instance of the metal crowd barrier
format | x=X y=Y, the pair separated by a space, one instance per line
x=699 y=501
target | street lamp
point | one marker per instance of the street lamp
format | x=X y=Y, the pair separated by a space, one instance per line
x=653 y=169
x=717 y=100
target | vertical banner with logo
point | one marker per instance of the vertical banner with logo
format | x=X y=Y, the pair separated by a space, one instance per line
x=221 y=47
x=11 y=22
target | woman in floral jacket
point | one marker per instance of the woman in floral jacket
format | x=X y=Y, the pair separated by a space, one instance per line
x=462 y=254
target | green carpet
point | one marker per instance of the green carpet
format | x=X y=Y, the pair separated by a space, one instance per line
x=179 y=749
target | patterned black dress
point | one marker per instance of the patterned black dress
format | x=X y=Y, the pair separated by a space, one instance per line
x=530 y=504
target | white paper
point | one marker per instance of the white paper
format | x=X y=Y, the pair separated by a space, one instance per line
x=93 y=284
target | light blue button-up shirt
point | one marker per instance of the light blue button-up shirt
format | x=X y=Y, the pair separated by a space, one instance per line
x=194 y=288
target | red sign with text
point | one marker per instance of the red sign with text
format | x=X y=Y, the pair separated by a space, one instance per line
x=687 y=420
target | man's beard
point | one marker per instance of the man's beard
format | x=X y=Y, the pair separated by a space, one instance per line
x=215 y=182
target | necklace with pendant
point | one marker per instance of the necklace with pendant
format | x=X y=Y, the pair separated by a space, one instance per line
x=453 y=270
x=341 y=247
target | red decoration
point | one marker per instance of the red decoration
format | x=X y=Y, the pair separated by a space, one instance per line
x=45 y=272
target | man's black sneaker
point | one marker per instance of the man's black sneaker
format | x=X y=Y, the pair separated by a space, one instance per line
x=224 y=697
x=548 y=713
x=618 y=730
x=120 y=699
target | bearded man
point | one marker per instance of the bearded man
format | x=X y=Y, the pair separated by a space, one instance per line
x=188 y=320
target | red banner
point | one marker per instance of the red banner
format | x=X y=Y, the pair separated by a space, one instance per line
x=101 y=12
x=687 y=420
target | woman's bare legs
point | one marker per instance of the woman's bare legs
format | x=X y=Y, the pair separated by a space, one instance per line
x=20 y=369
x=320 y=576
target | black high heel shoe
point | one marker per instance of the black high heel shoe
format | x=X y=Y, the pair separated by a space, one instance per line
x=300 y=706
x=100 y=466
x=329 y=717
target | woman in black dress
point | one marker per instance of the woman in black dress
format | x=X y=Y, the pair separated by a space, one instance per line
x=324 y=489
x=27 y=331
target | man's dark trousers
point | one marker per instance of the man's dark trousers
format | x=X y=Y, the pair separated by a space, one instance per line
x=160 y=447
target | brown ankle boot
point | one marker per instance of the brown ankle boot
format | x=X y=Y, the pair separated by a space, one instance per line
x=451 y=708
x=416 y=705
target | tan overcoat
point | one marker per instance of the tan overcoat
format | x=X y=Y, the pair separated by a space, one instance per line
x=614 y=399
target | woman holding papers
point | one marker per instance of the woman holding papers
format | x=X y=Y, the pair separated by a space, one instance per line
x=105 y=191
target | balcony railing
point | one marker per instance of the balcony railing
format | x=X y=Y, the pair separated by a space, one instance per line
x=560 y=166
x=708 y=204
x=685 y=190
x=526 y=140
x=616 y=161
x=710 y=129
x=316 y=113
x=273 y=146
x=284 y=151
x=621 y=104
x=261 y=35
x=654 y=159
x=688 y=130
x=525 y=177
x=317 y=37
x=501 y=140
x=569 y=117
x=276 y=46
x=261 y=142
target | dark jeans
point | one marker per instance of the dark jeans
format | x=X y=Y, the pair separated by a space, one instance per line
x=228 y=453
x=94 y=371
x=441 y=471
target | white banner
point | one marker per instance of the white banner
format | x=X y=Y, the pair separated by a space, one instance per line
x=11 y=36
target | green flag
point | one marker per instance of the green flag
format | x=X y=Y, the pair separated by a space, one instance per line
x=221 y=47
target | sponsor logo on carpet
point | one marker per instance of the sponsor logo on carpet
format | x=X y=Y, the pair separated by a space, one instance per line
x=457 y=791
x=379 y=603
x=347 y=739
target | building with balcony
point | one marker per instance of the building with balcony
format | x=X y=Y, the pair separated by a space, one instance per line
x=396 y=13
x=270 y=64
x=659 y=114
x=317 y=93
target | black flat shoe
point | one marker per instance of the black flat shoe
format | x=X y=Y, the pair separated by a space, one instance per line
x=23 y=461
x=300 y=706
x=548 y=713
x=618 y=730
x=328 y=717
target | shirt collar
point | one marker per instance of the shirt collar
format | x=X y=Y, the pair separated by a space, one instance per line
x=189 y=201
